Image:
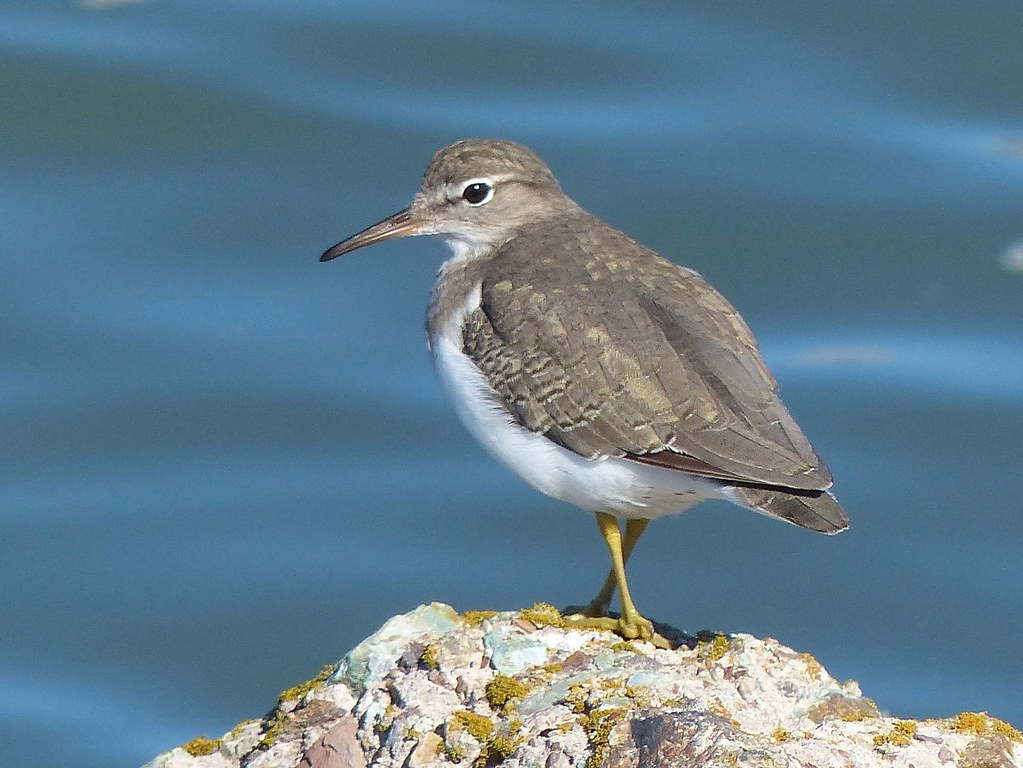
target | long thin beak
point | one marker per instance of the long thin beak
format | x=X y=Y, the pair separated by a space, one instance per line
x=401 y=224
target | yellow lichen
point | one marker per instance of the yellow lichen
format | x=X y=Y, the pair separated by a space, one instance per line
x=719 y=709
x=841 y=707
x=899 y=736
x=543 y=615
x=201 y=746
x=495 y=750
x=494 y=746
x=430 y=657
x=235 y=732
x=475 y=618
x=576 y=698
x=479 y=727
x=639 y=693
x=855 y=717
x=980 y=723
x=270 y=733
x=780 y=734
x=300 y=690
x=275 y=720
x=813 y=667
x=1006 y=730
x=383 y=725
x=503 y=690
x=970 y=722
x=455 y=753
x=598 y=725
x=715 y=648
x=624 y=646
x=675 y=702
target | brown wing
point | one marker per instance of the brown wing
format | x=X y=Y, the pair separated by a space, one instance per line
x=631 y=355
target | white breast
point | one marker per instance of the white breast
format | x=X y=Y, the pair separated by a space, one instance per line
x=617 y=486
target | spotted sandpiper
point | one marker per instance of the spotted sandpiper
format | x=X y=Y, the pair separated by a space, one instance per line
x=599 y=372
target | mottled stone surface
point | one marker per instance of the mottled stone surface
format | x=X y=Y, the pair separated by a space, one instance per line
x=432 y=688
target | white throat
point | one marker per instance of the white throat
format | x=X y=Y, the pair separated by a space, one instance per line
x=463 y=249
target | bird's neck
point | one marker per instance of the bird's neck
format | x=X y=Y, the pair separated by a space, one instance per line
x=464 y=250
x=457 y=279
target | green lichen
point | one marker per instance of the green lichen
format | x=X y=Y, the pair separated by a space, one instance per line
x=502 y=691
x=201 y=746
x=475 y=618
x=899 y=736
x=543 y=615
x=430 y=657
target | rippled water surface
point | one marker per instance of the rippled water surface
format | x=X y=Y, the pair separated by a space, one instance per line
x=222 y=463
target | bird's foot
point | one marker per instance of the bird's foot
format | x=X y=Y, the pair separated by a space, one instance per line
x=632 y=628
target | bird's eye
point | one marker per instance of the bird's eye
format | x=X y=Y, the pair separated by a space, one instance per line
x=477 y=193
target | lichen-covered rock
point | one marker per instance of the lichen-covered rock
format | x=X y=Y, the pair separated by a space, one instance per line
x=432 y=688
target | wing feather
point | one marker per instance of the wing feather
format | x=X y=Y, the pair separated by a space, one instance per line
x=630 y=355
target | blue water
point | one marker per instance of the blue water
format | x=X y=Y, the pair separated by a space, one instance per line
x=222 y=463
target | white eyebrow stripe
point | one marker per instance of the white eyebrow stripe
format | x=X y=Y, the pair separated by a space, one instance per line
x=454 y=189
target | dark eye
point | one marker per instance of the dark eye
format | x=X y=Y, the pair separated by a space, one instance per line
x=477 y=193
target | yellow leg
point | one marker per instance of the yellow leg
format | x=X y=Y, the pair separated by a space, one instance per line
x=630 y=625
x=599 y=606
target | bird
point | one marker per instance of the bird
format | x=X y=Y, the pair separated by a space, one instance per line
x=599 y=372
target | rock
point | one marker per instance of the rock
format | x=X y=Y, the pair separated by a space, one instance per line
x=337 y=748
x=432 y=688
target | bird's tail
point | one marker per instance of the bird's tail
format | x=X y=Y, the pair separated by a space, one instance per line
x=816 y=510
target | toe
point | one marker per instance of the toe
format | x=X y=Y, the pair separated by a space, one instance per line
x=636 y=628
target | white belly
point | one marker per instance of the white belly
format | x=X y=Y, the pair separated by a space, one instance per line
x=613 y=485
